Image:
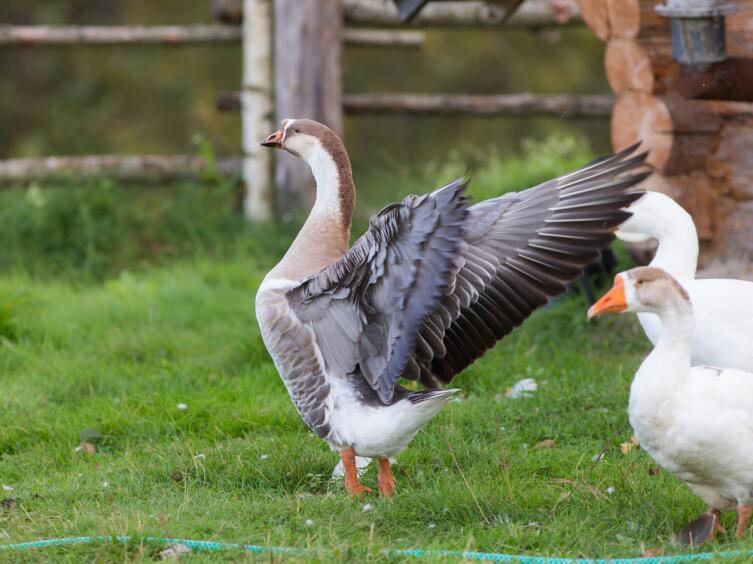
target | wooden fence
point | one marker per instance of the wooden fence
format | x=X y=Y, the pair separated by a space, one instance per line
x=298 y=73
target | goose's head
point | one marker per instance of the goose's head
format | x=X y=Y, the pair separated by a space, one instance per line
x=642 y=289
x=654 y=215
x=304 y=138
x=325 y=154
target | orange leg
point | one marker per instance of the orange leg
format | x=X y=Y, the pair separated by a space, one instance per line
x=352 y=485
x=717 y=527
x=743 y=519
x=385 y=479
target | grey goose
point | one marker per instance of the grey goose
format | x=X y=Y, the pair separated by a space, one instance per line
x=432 y=284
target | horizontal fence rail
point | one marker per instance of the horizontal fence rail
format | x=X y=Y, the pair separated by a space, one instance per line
x=40 y=35
x=73 y=36
x=122 y=167
x=564 y=105
x=531 y=13
x=526 y=104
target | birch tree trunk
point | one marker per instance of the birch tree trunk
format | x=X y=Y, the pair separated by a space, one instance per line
x=308 y=46
x=256 y=107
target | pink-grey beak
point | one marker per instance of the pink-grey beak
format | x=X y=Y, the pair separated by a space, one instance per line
x=274 y=140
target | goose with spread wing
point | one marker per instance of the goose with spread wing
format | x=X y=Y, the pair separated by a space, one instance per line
x=432 y=284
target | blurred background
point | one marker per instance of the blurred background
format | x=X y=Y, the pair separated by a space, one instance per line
x=161 y=100
x=87 y=100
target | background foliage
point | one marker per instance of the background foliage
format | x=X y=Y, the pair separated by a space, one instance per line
x=144 y=99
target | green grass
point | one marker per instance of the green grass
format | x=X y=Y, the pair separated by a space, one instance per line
x=238 y=465
x=117 y=303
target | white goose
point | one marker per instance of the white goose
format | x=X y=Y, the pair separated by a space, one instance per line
x=431 y=285
x=723 y=307
x=697 y=423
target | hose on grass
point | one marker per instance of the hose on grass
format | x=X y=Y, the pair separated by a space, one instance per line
x=200 y=545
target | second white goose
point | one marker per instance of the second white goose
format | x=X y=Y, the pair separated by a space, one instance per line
x=697 y=423
x=723 y=307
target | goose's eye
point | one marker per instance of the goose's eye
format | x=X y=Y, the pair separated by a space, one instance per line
x=296 y=130
x=638 y=283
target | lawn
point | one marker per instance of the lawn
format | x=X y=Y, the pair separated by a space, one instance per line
x=127 y=322
x=112 y=362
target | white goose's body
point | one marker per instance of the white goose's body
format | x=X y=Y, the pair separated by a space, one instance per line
x=695 y=422
x=723 y=307
x=432 y=285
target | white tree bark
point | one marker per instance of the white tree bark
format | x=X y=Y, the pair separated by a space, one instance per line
x=257 y=109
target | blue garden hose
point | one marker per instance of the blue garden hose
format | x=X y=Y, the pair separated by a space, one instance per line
x=199 y=545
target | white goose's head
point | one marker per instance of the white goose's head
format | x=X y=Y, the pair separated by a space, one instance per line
x=654 y=216
x=642 y=289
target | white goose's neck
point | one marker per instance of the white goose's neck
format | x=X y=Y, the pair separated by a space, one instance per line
x=668 y=365
x=659 y=216
x=677 y=252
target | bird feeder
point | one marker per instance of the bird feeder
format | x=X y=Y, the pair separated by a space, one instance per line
x=698 y=36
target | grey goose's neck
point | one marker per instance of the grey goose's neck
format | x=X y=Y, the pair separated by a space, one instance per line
x=325 y=236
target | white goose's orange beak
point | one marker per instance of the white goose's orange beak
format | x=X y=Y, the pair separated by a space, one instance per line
x=611 y=302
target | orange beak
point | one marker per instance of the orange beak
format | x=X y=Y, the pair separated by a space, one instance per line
x=611 y=302
x=274 y=140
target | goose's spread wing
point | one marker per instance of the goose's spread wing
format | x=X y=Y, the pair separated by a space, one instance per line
x=521 y=250
x=367 y=308
x=433 y=283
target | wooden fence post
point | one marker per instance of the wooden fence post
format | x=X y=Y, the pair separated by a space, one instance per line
x=256 y=107
x=308 y=47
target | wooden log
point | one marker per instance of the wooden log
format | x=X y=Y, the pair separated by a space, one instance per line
x=678 y=133
x=40 y=35
x=564 y=105
x=308 y=83
x=622 y=19
x=121 y=167
x=257 y=109
x=532 y=13
x=383 y=38
x=631 y=65
x=731 y=79
x=639 y=51
x=731 y=163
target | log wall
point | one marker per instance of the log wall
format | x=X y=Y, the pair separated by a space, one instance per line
x=701 y=150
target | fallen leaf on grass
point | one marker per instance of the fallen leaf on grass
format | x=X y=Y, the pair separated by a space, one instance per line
x=175 y=551
x=653 y=552
x=546 y=443
x=8 y=503
x=522 y=388
x=625 y=448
